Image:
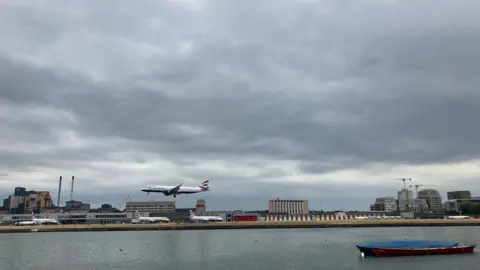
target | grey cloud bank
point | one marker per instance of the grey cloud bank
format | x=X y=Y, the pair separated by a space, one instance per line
x=322 y=100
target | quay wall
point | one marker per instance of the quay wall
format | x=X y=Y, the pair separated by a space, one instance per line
x=243 y=225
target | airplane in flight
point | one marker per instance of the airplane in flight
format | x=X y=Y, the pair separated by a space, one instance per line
x=38 y=221
x=177 y=190
x=140 y=219
x=195 y=218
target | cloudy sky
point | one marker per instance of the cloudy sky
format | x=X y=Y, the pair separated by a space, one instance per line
x=320 y=100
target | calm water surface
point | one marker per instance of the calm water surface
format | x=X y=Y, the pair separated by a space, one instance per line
x=234 y=249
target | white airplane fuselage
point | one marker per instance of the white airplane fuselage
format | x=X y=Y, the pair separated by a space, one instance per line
x=38 y=221
x=166 y=189
x=458 y=217
x=140 y=219
x=151 y=220
x=176 y=190
x=195 y=218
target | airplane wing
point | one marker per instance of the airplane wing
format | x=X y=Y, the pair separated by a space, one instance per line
x=175 y=189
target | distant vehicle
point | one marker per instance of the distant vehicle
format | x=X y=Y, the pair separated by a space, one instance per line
x=140 y=219
x=458 y=217
x=37 y=221
x=195 y=218
x=177 y=190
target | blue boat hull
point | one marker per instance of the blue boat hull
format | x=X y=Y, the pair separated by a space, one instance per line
x=367 y=249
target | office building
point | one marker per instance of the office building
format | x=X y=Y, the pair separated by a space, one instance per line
x=432 y=198
x=290 y=207
x=150 y=206
x=459 y=195
x=384 y=204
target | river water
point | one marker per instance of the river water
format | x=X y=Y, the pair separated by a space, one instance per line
x=228 y=249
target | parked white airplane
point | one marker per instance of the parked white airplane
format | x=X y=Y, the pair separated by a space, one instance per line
x=362 y=218
x=195 y=218
x=458 y=217
x=38 y=221
x=140 y=219
x=177 y=190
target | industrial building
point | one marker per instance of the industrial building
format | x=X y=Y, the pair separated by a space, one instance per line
x=290 y=207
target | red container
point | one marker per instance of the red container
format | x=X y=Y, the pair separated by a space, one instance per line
x=245 y=218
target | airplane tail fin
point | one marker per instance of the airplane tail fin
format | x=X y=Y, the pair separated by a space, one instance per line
x=204 y=185
x=137 y=214
x=33 y=215
x=191 y=214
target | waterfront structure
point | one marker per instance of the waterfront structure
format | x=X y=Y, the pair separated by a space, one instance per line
x=459 y=195
x=290 y=207
x=385 y=204
x=150 y=206
x=432 y=198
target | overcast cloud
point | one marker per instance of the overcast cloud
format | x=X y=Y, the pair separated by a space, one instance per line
x=320 y=100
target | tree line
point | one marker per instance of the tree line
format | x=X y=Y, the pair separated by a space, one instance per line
x=469 y=208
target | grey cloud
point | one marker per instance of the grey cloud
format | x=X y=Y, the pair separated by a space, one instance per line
x=332 y=85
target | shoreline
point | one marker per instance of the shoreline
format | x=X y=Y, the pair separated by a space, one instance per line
x=244 y=225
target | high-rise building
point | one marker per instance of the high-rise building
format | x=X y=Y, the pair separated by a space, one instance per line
x=290 y=207
x=459 y=195
x=433 y=199
x=405 y=200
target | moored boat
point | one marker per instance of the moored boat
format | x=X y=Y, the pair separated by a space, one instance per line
x=390 y=252
x=367 y=249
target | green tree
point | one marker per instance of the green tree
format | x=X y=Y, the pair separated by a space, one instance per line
x=469 y=208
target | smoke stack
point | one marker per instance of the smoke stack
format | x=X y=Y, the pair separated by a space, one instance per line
x=59 y=191
x=71 y=189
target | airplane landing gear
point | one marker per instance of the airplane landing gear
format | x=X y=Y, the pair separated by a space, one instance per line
x=174 y=195
x=148 y=193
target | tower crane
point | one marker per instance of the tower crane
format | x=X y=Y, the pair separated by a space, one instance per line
x=404 y=180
